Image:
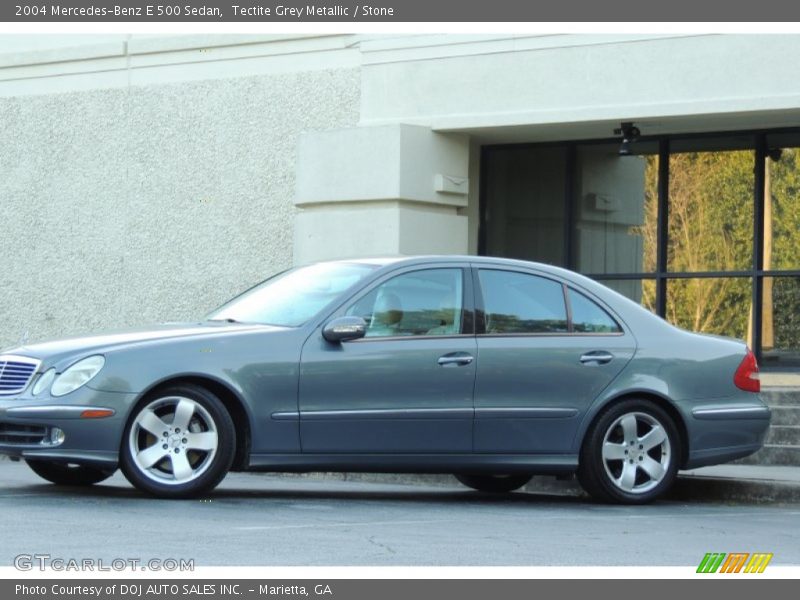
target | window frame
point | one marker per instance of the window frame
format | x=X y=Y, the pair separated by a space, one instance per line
x=480 y=306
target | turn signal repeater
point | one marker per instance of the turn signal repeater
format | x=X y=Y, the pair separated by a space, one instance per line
x=746 y=377
x=97 y=413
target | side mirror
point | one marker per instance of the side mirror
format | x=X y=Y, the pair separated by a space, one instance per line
x=344 y=328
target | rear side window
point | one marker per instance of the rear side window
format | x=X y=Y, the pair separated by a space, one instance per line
x=521 y=303
x=588 y=317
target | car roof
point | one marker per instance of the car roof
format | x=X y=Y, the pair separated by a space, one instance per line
x=382 y=261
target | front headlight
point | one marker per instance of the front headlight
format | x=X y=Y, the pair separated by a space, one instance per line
x=44 y=381
x=77 y=375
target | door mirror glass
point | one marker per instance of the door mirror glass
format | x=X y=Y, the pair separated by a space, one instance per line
x=344 y=328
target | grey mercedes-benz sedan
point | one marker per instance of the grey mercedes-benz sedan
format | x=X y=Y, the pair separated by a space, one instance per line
x=494 y=370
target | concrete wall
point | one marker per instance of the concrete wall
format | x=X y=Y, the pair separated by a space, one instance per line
x=143 y=203
x=394 y=189
x=149 y=177
x=555 y=87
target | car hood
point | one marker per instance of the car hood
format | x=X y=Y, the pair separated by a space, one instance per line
x=114 y=340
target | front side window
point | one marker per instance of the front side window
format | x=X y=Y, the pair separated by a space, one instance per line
x=420 y=303
x=294 y=297
x=521 y=303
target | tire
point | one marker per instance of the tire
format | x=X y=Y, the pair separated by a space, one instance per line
x=178 y=443
x=630 y=454
x=495 y=484
x=68 y=474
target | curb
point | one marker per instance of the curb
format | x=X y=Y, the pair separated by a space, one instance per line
x=687 y=488
x=736 y=491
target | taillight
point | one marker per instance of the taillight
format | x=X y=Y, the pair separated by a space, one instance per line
x=746 y=376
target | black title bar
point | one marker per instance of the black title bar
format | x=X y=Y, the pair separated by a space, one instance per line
x=399 y=11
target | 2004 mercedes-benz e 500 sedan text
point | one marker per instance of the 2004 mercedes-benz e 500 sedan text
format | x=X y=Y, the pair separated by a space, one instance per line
x=492 y=369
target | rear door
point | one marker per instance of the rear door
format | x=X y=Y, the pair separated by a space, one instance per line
x=545 y=351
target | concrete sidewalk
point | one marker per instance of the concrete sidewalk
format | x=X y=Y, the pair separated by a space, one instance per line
x=752 y=484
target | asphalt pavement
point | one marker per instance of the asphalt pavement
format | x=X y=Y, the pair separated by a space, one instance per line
x=257 y=519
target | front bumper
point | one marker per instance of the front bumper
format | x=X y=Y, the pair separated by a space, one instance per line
x=724 y=430
x=27 y=423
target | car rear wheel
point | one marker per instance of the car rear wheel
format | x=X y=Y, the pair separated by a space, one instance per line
x=630 y=454
x=67 y=473
x=496 y=484
x=179 y=443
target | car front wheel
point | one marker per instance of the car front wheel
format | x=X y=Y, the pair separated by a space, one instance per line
x=179 y=443
x=497 y=484
x=630 y=454
x=68 y=474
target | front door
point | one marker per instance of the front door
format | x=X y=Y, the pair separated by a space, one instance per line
x=407 y=387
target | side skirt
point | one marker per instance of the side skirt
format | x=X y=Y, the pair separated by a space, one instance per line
x=539 y=464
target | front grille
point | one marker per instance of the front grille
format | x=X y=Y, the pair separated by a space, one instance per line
x=12 y=434
x=16 y=373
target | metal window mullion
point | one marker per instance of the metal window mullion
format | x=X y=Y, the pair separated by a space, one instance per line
x=662 y=235
x=758 y=246
x=569 y=204
x=483 y=201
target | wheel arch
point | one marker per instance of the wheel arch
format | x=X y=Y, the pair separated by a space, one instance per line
x=232 y=401
x=659 y=400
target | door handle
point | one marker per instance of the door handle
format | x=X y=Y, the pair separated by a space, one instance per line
x=599 y=357
x=457 y=358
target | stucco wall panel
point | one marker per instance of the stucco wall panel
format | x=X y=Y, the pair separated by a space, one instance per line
x=150 y=203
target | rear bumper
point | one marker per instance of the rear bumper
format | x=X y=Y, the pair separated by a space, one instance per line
x=722 y=431
x=27 y=426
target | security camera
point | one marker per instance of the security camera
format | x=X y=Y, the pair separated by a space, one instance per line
x=630 y=133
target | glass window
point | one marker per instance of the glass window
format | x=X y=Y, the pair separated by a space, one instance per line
x=782 y=203
x=719 y=305
x=520 y=303
x=427 y=302
x=524 y=202
x=711 y=209
x=292 y=298
x=780 y=322
x=588 y=317
x=616 y=209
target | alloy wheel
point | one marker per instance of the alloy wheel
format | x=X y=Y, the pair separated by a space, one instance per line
x=636 y=452
x=173 y=440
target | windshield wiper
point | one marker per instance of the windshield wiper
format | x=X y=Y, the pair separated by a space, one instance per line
x=228 y=320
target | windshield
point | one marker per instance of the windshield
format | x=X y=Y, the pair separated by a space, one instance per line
x=293 y=297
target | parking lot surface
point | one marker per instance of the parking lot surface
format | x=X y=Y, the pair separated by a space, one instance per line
x=257 y=519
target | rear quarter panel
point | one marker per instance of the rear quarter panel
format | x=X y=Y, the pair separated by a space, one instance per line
x=686 y=371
